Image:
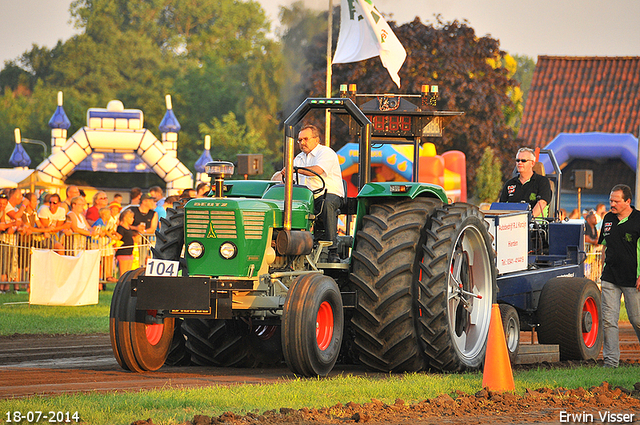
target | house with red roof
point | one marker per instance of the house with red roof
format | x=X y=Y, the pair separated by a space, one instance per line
x=584 y=95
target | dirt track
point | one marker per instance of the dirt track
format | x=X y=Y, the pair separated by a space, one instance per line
x=51 y=365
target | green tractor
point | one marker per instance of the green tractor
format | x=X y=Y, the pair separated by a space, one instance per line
x=237 y=278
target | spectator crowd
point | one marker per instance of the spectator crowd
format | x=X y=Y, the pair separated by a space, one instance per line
x=29 y=220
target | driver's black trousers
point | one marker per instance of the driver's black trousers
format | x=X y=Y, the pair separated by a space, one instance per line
x=326 y=229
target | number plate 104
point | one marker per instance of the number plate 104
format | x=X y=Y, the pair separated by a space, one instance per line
x=157 y=267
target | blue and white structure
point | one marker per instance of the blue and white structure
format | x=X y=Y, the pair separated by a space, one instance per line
x=19 y=157
x=205 y=158
x=115 y=130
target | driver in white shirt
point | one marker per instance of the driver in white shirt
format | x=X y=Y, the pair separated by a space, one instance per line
x=324 y=161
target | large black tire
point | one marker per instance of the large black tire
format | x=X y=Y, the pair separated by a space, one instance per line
x=570 y=315
x=178 y=355
x=457 y=287
x=231 y=343
x=312 y=325
x=511 y=326
x=385 y=264
x=139 y=345
x=170 y=236
x=169 y=243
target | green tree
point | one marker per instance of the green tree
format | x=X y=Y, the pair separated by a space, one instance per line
x=213 y=56
x=524 y=73
x=229 y=138
x=488 y=178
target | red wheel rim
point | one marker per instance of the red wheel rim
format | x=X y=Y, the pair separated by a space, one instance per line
x=591 y=308
x=324 y=326
x=153 y=331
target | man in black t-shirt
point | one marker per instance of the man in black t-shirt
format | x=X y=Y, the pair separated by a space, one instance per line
x=145 y=219
x=620 y=235
x=528 y=186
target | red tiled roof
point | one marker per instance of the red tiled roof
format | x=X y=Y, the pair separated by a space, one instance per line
x=580 y=95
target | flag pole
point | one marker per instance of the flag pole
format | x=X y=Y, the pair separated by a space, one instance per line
x=327 y=113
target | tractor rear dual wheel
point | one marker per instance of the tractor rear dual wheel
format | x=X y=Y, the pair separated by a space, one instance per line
x=139 y=342
x=426 y=281
x=385 y=264
x=457 y=287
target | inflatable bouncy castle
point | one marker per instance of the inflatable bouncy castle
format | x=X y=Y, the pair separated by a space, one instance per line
x=393 y=162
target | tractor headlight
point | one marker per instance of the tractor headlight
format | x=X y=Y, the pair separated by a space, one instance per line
x=195 y=249
x=228 y=250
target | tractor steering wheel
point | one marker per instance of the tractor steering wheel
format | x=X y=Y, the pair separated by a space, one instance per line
x=297 y=178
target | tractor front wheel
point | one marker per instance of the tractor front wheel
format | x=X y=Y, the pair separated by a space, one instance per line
x=139 y=340
x=312 y=325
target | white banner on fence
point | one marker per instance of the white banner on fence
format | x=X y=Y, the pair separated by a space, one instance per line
x=64 y=280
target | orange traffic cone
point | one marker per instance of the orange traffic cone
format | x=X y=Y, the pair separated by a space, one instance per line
x=497 y=374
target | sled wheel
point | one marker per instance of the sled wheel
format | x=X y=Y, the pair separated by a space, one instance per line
x=569 y=313
x=511 y=326
x=312 y=325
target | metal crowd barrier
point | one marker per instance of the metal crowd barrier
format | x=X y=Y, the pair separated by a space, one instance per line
x=15 y=253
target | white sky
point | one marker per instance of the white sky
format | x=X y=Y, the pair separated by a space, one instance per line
x=529 y=27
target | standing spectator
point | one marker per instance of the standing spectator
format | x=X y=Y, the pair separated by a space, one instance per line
x=202 y=189
x=53 y=216
x=103 y=236
x=117 y=198
x=170 y=200
x=16 y=206
x=115 y=209
x=79 y=225
x=71 y=192
x=601 y=210
x=8 y=226
x=590 y=231
x=188 y=194
x=621 y=237
x=31 y=221
x=124 y=254
x=145 y=218
x=134 y=197
x=156 y=193
x=100 y=200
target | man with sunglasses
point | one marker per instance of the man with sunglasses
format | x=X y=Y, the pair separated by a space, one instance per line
x=54 y=217
x=527 y=186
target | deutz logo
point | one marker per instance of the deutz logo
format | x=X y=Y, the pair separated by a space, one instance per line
x=212 y=233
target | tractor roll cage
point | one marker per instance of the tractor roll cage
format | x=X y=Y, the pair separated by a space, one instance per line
x=360 y=118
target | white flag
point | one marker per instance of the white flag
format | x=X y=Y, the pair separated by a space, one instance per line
x=364 y=33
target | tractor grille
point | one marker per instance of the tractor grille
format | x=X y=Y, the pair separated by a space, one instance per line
x=253 y=222
x=211 y=224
